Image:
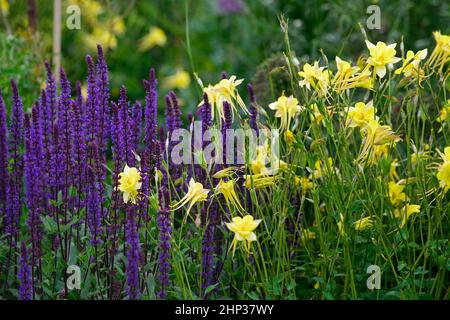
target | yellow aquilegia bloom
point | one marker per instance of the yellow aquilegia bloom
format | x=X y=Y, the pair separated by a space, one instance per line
x=411 y=65
x=304 y=182
x=155 y=37
x=224 y=91
x=396 y=194
x=441 y=53
x=444 y=112
x=286 y=109
x=381 y=55
x=259 y=181
x=243 y=230
x=348 y=77
x=180 y=80
x=406 y=212
x=363 y=224
x=229 y=193
x=321 y=169
x=315 y=77
x=361 y=114
x=443 y=174
x=196 y=193
x=129 y=184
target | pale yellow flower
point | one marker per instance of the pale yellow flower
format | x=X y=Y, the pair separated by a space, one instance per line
x=411 y=65
x=444 y=112
x=286 y=109
x=243 y=229
x=381 y=55
x=406 y=212
x=229 y=193
x=129 y=184
x=315 y=77
x=155 y=37
x=361 y=114
x=180 y=80
x=441 y=53
x=396 y=194
x=443 y=174
x=196 y=193
x=363 y=224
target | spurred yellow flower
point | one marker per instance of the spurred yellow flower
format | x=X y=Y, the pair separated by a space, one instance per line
x=180 y=80
x=444 y=113
x=225 y=90
x=406 y=212
x=348 y=77
x=441 y=53
x=155 y=37
x=286 y=109
x=243 y=230
x=196 y=193
x=361 y=114
x=363 y=223
x=229 y=193
x=396 y=194
x=305 y=183
x=259 y=181
x=320 y=170
x=381 y=55
x=315 y=77
x=443 y=174
x=129 y=184
x=411 y=65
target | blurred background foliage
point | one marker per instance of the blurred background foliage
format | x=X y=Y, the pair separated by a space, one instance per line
x=241 y=37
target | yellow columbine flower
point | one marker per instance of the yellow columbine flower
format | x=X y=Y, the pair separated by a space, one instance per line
x=225 y=173
x=443 y=174
x=363 y=224
x=393 y=175
x=361 y=114
x=319 y=170
x=286 y=109
x=289 y=137
x=259 y=181
x=348 y=77
x=180 y=80
x=316 y=115
x=229 y=193
x=441 y=53
x=315 y=77
x=196 y=193
x=243 y=230
x=305 y=183
x=223 y=91
x=396 y=194
x=155 y=37
x=380 y=56
x=411 y=65
x=406 y=212
x=444 y=113
x=129 y=184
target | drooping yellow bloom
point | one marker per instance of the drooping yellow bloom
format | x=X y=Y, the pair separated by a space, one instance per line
x=411 y=65
x=441 y=53
x=393 y=175
x=444 y=113
x=225 y=90
x=225 y=173
x=396 y=194
x=196 y=193
x=243 y=230
x=381 y=55
x=180 y=80
x=406 y=212
x=259 y=181
x=289 y=137
x=229 y=193
x=443 y=174
x=315 y=77
x=316 y=115
x=286 y=109
x=375 y=135
x=305 y=183
x=155 y=37
x=363 y=223
x=319 y=171
x=348 y=77
x=129 y=184
x=361 y=114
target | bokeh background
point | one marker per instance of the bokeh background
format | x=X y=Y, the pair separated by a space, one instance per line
x=183 y=37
